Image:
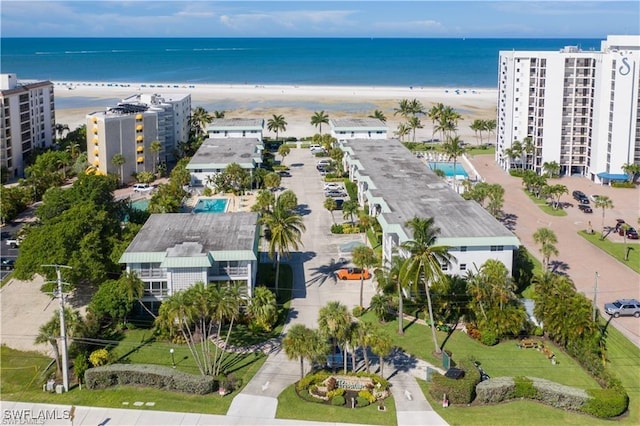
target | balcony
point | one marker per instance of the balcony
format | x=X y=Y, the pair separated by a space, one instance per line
x=229 y=271
x=150 y=273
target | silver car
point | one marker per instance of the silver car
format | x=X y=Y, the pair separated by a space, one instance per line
x=623 y=307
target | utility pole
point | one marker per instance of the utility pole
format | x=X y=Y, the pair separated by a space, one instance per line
x=595 y=295
x=63 y=329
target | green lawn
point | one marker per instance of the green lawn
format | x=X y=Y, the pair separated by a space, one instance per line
x=291 y=406
x=504 y=359
x=542 y=204
x=472 y=152
x=616 y=250
x=21 y=380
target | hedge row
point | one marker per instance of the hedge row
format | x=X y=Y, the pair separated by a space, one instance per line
x=461 y=391
x=154 y=376
x=603 y=403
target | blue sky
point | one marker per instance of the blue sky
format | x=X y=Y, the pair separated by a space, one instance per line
x=158 y=18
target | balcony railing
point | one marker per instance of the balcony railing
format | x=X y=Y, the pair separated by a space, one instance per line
x=151 y=273
x=229 y=270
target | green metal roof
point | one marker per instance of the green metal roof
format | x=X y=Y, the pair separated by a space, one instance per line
x=142 y=257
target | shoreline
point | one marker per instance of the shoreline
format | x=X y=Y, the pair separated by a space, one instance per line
x=297 y=103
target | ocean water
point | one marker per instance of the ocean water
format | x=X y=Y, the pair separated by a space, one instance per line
x=396 y=62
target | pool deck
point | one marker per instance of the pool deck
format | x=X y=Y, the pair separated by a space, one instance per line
x=236 y=203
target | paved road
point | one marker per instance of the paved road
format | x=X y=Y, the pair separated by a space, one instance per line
x=578 y=258
x=314 y=286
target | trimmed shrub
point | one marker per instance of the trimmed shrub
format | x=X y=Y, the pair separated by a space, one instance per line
x=516 y=172
x=606 y=402
x=99 y=357
x=335 y=392
x=488 y=338
x=338 y=400
x=495 y=390
x=149 y=376
x=368 y=395
x=362 y=402
x=336 y=228
x=357 y=311
x=306 y=381
x=523 y=388
x=623 y=185
x=559 y=396
x=461 y=391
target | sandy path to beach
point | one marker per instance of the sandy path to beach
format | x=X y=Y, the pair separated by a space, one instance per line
x=296 y=103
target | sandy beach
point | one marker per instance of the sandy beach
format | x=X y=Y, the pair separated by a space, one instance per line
x=296 y=103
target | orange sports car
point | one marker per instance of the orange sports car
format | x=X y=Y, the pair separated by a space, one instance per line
x=353 y=274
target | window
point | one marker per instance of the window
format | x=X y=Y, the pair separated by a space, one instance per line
x=497 y=248
x=444 y=266
x=463 y=266
x=463 y=248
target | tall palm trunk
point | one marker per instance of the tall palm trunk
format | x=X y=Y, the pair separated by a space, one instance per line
x=226 y=342
x=433 y=325
x=277 y=271
x=400 y=310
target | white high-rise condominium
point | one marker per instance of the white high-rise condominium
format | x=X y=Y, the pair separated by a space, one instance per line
x=580 y=109
x=27 y=114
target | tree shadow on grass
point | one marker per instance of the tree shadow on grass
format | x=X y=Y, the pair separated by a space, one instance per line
x=400 y=361
x=509 y=220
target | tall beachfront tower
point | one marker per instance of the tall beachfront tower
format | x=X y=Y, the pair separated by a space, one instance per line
x=126 y=129
x=27 y=114
x=578 y=108
x=173 y=112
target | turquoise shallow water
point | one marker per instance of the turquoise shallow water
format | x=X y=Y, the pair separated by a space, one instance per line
x=448 y=169
x=211 y=205
x=428 y=62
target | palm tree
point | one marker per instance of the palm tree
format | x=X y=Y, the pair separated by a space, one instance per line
x=319 y=118
x=302 y=342
x=453 y=148
x=434 y=115
x=632 y=170
x=219 y=114
x=404 y=108
x=286 y=232
x=390 y=274
x=414 y=123
x=528 y=149
x=363 y=257
x=349 y=209
x=552 y=168
x=50 y=331
x=156 y=148
x=402 y=131
x=277 y=124
x=200 y=119
x=60 y=129
x=379 y=115
x=283 y=151
x=119 y=160
x=272 y=180
x=359 y=336
x=547 y=240
x=416 y=107
x=330 y=204
x=424 y=264
x=603 y=202
x=334 y=321
x=381 y=345
x=74 y=150
x=477 y=127
x=263 y=308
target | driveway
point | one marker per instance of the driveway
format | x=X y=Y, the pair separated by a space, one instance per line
x=577 y=257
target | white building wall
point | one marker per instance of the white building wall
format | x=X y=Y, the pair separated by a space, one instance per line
x=183 y=278
x=235 y=133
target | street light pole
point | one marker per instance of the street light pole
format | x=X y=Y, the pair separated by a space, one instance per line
x=173 y=359
x=63 y=328
x=595 y=295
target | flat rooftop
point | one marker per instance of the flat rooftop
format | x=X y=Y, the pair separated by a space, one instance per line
x=218 y=153
x=357 y=123
x=410 y=188
x=236 y=124
x=208 y=231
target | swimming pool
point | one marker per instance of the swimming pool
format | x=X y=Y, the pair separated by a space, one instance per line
x=211 y=205
x=449 y=169
x=142 y=205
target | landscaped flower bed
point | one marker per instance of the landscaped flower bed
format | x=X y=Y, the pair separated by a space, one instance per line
x=351 y=390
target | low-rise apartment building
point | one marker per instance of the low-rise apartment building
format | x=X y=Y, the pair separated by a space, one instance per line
x=357 y=128
x=234 y=128
x=396 y=186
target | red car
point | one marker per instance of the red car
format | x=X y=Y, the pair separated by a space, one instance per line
x=353 y=274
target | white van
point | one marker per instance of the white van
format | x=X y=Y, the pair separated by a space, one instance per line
x=142 y=187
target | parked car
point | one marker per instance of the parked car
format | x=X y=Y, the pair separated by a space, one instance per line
x=632 y=234
x=284 y=173
x=324 y=162
x=142 y=187
x=585 y=208
x=594 y=197
x=320 y=150
x=6 y=264
x=333 y=186
x=335 y=193
x=314 y=146
x=353 y=274
x=580 y=197
x=13 y=242
x=339 y=203
x=623 y=307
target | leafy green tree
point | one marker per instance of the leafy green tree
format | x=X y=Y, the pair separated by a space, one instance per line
x=403 y=109
x=334 y=321
x=319 y=118
x=265 y=201
x=547 y=240
x=167 y=198
x=423 y=265
x=453 y=149
x=286 y=232
x=272 y=180
x=528 y=148
x=258 y=177
x=363 y=257
x=555 y=192
x=283 y=151
x=381 y=344
x=477 y=126
x=434 y=115
x=302 y=342
x=263 y=308
x=14 y=200
x=552 y=168
x=45 y=172
x=49 y=332
x=277 y=124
